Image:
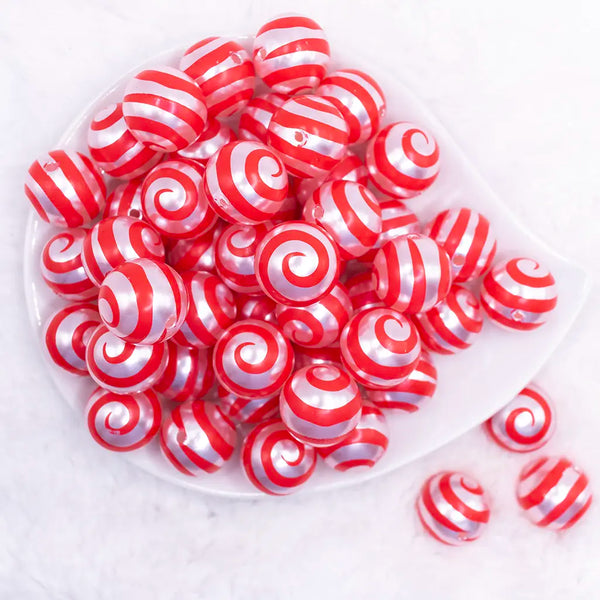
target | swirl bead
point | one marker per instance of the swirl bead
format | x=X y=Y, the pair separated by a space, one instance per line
x=211 y=140
x=297 y=263
x=253 y=359
x=305 y=357
x=247 y=410
x=453 y=508
x=275 y=462
x=123 y=422
x=62 y=268
x=164 y=109
x=256 y=116
x=197 y=254
x=519 y=293
x=65 y=188
x=67 y=333
x=125 y=201
x=380 y=347
x=553 y=492
x=361 y=290
x=526 y=423
x=261 y=308
x=197 y=438
x=403 y=160
x=412 y=274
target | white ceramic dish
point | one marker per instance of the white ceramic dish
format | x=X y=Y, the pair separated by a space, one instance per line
x=472 y=385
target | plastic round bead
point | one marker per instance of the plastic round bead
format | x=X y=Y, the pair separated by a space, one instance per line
x=125 y=201
x=197 y=254
x=261 y=308
x=305 y=357
x=256 y=116
x=211 y=140
x=361 y=289
x=247 y=410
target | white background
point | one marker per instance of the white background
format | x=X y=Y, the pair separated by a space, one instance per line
x=517 y=83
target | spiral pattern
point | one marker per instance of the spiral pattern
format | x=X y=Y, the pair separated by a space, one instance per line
x=253 y=359
x=519 y=293
x=380 y=347
x=247 y=410
x=212 y=139
x=245 y=182
x=554 y=492
x=256 y=307
x=197 y=438
x=306 y=357
x=123 y=422
x=361 y=290
x=403 y=160
x=114 y=148
x=197 y=254
x=296 y=263
x=125 y=201
x=164 y=109
x=65 y=188
x=67 y=334
x=412 y=273
x=275 y=462
x=256 y=116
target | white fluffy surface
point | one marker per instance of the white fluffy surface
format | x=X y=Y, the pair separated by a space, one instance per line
x=517 y=84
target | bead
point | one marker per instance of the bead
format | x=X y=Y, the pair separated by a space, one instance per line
x=256 y=116
x=380 y=347
x=197 y=438
x=125 y=201
x=123 y=422
x=211 y=140
x=261 y=308
x=224 y=72
x=554 y=492
x=65 y=188
x=403 y=160
x=360 y=100
x=467 y=237
x=453 y=508
x=349 y=212
x=526 y=423
x=121 y=366
x=245 y=182
x=173 y=200
x=143 y=301
x=212 y=309
x=361 y=289
x=197 y=254
x=310 y=135
x=305 y=357
x=114 y=148
x=413 y=392
x=297 y=263
x=67 y=333
x=274 y=461
x=115 y=241
x=247 y=410
x=253 y=359
x=412 y=273
x=319 y=324
x=518 y=293
x=62 y=269
x=164 y=109
x=188 y=374
x=453 y=324
x=362 y=448
x=320 y=405
x=288 y=211
x=291 y=54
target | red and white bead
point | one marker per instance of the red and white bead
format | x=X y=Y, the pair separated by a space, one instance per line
x=412 y=273
x=310 y=135
x=519 y=293
x=67 y=333
x=288 y=211
x=197 y=438
x=115 y=241
x=123 y=422
x=125 y=201
x=256 y=116
x=211 y=140
x=173 y=200
x=305 y=357
x=359 y=98
x=224 y=72
x=121 y=366
x=320 y=405
x=247 y=410
x=453 y=324
x=212 y=309
x=245 y=182
x=554 y=492
x=65 y=188
x=380 y=347
x=291 y=54
x=62 y=268
x=253 y=359
x=256 y=307
x=453 y=508
x=361 y=289
x=403 y=160
x=362 y=448
x=164 y=109
x=114 y=148
x=297 y=263
x=197 y=254
x=275 y=462
x=469 y=240
x=526 y=423
x=319 y=324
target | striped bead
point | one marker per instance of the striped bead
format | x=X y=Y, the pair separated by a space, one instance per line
x=197 y=254
x=261 y=308
x=247 y=410
x=211 y=140
x=125 y=201
x=361 y=289
x=256 y=116
x=306 y=357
